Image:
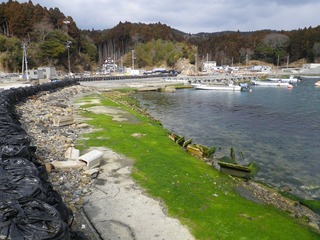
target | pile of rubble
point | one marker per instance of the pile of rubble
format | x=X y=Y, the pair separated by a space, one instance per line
x=50 y=123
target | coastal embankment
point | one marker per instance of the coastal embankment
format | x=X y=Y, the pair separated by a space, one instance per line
x=109 y=204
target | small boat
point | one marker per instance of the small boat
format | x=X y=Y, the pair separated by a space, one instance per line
x=187 y=142
x=309 y=77
x=291 y=79
x=271 y=83
x=176 y=138
x=228 y=166
x=229 y=87
x=180 y=141
x=317 y=83
x=200 y=151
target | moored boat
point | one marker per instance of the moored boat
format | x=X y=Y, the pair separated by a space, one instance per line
x=229 y=87
x=228 y=166
x=291 y=79
x=200 y=151
x=187 y=142
x=268 y=83
x=176 y=138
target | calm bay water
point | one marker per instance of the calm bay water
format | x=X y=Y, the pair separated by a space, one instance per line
x=278 y=128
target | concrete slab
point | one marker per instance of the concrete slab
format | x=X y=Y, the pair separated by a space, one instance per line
x=119 y=209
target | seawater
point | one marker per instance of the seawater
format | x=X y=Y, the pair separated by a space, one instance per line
x=276 y=127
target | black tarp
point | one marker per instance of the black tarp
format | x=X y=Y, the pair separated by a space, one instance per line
x=29 y=207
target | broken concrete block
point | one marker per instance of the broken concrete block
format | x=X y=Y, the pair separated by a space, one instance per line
x=93 y=172
x=63 y=121
x=68 y=165
x=72 y=153
x=83 y=125
x=48 y=167
x=92 y=158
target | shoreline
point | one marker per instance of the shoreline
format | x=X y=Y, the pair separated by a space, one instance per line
x=294 y=203
x=82 y=193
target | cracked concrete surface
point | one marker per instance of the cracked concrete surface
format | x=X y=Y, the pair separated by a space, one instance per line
x=119 y=209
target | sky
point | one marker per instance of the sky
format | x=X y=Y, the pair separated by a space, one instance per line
x=192 y=16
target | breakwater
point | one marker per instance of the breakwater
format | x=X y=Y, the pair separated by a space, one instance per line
x=168 y=77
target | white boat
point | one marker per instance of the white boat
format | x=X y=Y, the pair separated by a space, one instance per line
x=272 y=83
x=291 y=79
x=229 y=87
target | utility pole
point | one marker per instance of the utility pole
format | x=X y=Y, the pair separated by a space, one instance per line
x=24 y=62
x=133 y=58
x=66 y=22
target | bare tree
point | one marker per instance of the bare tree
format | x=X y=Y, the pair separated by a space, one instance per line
x=42 y=29
x=276 y=40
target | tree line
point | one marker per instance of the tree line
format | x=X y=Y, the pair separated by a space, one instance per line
x=47 y=33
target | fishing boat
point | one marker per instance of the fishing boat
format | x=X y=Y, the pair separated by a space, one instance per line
x=291 y=79
x=229 y=87
x=272 y=83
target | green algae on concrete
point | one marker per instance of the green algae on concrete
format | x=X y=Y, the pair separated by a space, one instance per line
x=201 y=197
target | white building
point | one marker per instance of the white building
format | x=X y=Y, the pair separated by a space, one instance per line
x=48 y=72
x=42 y=73
x=310 y=65
x=208 y=65
x=259 y=69
x=35 y=74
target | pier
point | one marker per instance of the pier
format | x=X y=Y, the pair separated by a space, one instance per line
x=214 y=79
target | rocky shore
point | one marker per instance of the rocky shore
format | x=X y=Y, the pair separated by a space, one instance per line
x=37 y=117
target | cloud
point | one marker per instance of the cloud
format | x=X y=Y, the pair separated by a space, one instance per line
x=192 y=16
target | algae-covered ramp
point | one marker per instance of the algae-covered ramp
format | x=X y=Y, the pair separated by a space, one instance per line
x=197 y=194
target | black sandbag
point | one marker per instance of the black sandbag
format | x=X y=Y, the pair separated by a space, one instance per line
x=54 y=199
x=31 y=219
x=17 y=184
x=20 y=177
x=17 y=166
x=7 y=151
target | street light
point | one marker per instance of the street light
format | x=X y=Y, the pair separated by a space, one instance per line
x=66 y=22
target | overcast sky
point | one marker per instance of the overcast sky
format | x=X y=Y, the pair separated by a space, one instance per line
x=192 y=16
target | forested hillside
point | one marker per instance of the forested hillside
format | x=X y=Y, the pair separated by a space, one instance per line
x=47 y=32
x=226 y=47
